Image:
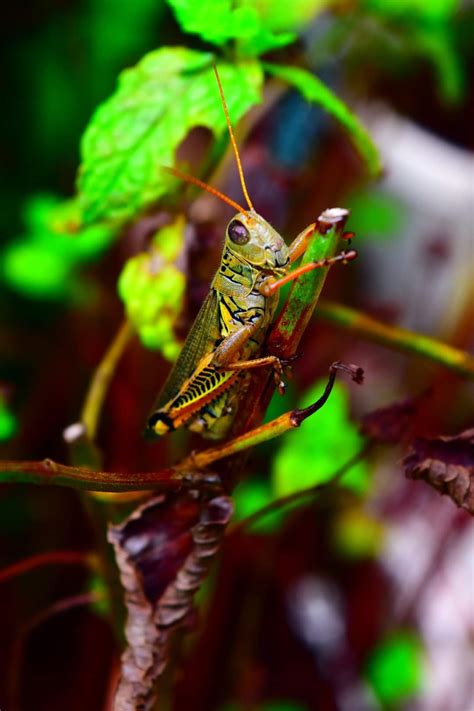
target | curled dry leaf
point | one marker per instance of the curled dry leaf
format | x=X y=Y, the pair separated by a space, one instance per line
x=163 y=551
x=447 y=464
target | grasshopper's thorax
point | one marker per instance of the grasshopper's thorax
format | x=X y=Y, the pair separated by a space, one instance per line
x=253 y=249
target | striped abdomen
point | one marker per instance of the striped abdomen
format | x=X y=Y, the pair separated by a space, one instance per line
x=204 y=386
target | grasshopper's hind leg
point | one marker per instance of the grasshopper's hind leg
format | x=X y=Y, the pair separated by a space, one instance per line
x=271 y=429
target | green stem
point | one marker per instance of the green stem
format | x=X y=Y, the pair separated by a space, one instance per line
x=299 y=495
x=298 y=309
x=396 y=337
x=101 y=379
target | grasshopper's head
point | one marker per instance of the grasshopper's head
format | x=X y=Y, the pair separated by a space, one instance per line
x=251 y=238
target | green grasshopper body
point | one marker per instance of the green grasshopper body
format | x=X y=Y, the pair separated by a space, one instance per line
x=232 y=322
x=227 y=336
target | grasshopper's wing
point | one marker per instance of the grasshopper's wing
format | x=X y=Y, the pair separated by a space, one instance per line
x=201 y=339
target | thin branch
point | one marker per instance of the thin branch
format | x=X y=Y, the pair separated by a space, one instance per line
x=396 y=337
x=299 y=495
x=101 y=378
x=186 y=473
x=39 y=560
x=49 y=472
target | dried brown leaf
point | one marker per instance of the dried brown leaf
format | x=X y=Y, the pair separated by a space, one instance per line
x=447 y=464
x=163 y=551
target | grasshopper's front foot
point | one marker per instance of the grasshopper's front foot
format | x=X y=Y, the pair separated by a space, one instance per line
x=281 y=367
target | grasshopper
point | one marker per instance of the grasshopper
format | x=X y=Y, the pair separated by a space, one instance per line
x=227 y=337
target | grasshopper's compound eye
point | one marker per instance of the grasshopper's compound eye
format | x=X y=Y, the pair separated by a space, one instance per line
x=238 y=233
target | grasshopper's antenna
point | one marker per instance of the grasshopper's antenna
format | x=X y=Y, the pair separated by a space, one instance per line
x=195 y=181
x=232 y=138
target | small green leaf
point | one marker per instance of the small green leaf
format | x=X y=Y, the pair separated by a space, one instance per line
x=34 y=270
x=313 y=453
x=42 y=262
x=394 y=669
x=137 y=130
x=218 y=22
x=152 y=289
x=315 y=91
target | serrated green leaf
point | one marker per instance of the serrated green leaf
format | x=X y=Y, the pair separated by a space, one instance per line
x=218 y=22
x=315 y=91
x=138 y=129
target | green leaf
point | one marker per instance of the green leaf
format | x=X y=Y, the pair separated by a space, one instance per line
x=152 y=289
x=35 y=271
x=41 y=263
x=315 y=91
x=138 y=129
x=418 y=10
x=324 y=442
x=438 y=45
x=217 y=21
x=284 y=16
x=394 y=669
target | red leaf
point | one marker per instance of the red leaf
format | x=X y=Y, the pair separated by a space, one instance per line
x=447 y=464
x=163 y=551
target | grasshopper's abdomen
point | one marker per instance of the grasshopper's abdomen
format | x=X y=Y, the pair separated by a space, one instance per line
x=204 y=386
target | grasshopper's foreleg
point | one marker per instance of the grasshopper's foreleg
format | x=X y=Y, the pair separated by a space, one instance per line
x=270 y=285
x=301 y=242
x=227 y=353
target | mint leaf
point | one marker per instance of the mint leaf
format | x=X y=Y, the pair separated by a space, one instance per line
x=138 y=129
x=216 y=21
x=315 y=91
